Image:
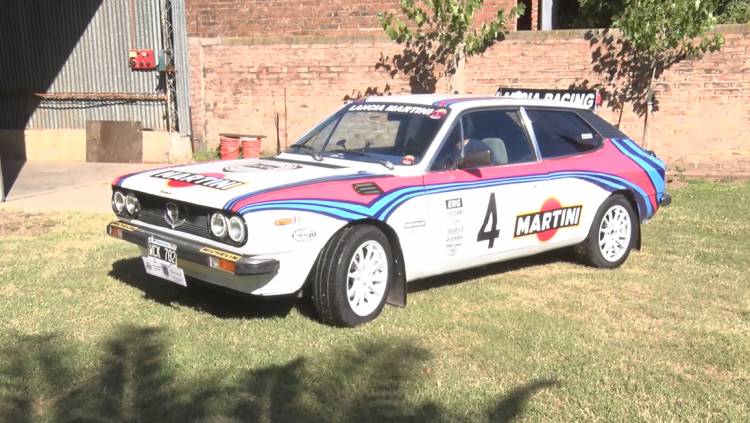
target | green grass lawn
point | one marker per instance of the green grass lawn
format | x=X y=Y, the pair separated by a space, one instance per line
x=86 y=335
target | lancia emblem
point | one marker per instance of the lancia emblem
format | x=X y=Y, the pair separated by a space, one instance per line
x=172 y=215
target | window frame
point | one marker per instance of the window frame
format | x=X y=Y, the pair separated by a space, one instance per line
x=536 y=157
x=567 y=110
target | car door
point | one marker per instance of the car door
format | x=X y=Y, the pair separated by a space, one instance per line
x=567 y=204
x=472 y=211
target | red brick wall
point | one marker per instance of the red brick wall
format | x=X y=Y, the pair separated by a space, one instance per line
x=703 y=121
x=238 y=80
x=245 y=18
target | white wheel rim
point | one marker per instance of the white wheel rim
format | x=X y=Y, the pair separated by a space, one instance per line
x=367 y=278
x=614 y=233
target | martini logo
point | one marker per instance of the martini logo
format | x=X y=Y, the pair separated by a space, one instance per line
x=547 y=221
x=179 y=179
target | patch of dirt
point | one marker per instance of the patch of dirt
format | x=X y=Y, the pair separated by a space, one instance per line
x=23 y=224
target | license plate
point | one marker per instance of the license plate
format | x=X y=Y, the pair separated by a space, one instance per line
x=161 y=259
x=162 y=250
x=164 y=270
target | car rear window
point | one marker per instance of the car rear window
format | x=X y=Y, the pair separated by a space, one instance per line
x=604 y=128
x=562 y=133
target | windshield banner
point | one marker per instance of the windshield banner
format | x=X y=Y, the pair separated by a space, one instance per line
x=433 y=112
x=586 y=98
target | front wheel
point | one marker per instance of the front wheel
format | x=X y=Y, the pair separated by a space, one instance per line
x=612 y=234
x=352 y=276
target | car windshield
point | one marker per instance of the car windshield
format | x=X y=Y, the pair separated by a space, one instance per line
x=375 y=132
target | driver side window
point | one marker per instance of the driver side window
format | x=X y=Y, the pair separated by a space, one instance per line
x=450 y=153
x=501 y=132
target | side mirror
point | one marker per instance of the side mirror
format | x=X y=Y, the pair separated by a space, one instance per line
x=476 y=158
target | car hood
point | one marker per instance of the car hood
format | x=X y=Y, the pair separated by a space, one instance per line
x=214 y=184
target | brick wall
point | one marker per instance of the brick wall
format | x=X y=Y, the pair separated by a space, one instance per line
x=703 y=121
x=299 y=18
x=255 y=66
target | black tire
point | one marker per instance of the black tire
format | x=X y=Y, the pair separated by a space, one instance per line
x=330 y=275
x=590 y=251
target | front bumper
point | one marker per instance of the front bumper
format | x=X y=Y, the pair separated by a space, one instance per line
x=195 y=252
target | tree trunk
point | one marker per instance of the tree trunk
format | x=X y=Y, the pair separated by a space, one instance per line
x=649 y=103
x=457 y=81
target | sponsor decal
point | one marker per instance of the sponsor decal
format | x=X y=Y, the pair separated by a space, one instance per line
x=454 y=203
x=545 y=223
x=220 y=254
x=414 y=224
x=304 y=235
x=438 y=114
x=585 y=98
x=251 y=167
x=398 y=108
x=180 y=179
x=123 y=226
x=454 y=238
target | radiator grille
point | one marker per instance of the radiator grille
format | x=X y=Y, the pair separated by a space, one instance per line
x=153 y=209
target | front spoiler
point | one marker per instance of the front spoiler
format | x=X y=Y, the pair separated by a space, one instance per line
x=192 y=251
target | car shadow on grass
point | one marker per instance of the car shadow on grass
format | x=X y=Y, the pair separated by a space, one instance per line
x=550 y=257
x=134 y=378
x=217 y=301
x=225 y=303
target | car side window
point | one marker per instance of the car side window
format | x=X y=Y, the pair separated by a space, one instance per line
x=500 y=131
x=450 y=153
x=562 y=133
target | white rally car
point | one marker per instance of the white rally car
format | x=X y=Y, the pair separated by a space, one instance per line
x=388 y=190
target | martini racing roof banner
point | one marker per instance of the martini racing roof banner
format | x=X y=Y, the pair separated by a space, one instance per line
x=585 y=98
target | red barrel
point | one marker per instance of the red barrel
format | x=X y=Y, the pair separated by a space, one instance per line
x=250 y=147
x=229 y=147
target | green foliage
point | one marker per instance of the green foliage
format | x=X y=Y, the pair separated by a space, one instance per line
x=733 y=11
x=603 y=13
x=597 y=13
x=204 y=153
x=436 y=40
x=670 y=29
x=661 y=33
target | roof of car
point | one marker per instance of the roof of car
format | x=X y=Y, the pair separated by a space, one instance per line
x=466 y=101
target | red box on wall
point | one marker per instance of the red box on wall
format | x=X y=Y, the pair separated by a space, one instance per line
x=142 y=60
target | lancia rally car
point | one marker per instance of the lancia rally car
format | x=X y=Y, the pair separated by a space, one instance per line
x=388 y=190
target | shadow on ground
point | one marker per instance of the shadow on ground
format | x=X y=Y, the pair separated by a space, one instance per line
x=225 y=303
x=558 y=256
x=222 y=303
x=40 y=379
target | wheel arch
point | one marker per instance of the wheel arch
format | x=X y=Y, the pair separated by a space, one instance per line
x=397 y=291
x=630 y=196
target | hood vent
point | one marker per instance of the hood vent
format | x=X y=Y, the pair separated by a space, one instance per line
x=367 y=188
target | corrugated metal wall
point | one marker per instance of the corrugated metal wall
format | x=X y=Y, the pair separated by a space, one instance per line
x=77 y=46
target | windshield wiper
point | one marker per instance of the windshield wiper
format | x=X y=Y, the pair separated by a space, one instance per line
x=385 y=163
x=314 y=153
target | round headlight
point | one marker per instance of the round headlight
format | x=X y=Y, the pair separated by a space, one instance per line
x=236 y=229
x=218 y=225
x=118 y=201
x=131 y=204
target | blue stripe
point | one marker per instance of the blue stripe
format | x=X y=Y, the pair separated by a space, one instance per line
x=645 y=157
x=655 y=161
x=655 y=175
x=234 y=201
x=385 y=206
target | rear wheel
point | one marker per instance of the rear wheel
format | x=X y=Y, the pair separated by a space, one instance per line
x=612 y=234
x=352 y=276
